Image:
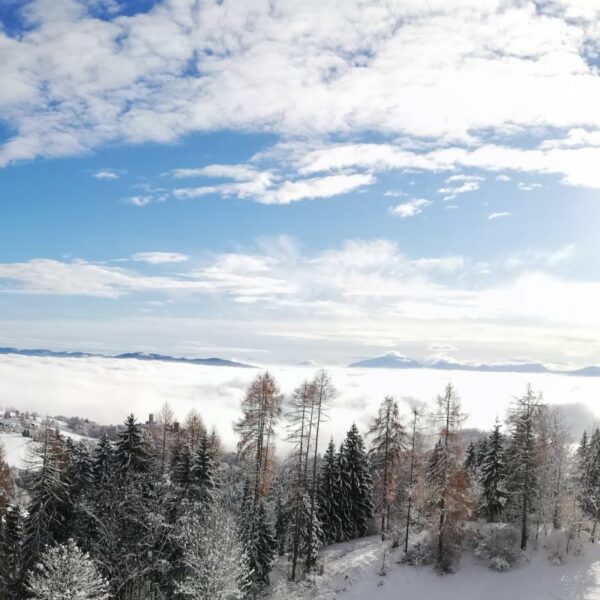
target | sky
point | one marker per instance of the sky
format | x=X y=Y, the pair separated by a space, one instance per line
x=278 y=182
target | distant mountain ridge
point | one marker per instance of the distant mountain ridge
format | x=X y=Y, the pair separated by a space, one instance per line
x=211 y=362
x=394 y=360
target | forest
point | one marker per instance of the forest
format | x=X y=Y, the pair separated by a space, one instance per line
x=165 y=512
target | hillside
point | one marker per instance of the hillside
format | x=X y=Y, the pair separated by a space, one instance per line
x=351 y=573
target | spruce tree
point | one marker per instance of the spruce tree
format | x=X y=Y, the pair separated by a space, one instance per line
x=356 y=484
x=11 y=547
x=522 y=457
x=330 y=511
x=202 y=476
x=131 y=452
x=471 y=460
x=492 y=478
x=48 y=493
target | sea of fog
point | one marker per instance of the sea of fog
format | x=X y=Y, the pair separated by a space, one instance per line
x=106 y=390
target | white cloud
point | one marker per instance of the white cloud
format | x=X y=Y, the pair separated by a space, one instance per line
x=106 y=174
x=157 y=258
x=499 y=215
x=364 y=293
x=502 y=178
x=410 y=208
x=266 y=189
x=528 y=187
x=439 y=75
x=235 y=172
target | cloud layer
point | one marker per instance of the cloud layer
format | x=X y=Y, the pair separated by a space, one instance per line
x=106 y=390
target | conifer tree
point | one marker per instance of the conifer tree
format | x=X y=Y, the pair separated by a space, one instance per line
x=492 y=477
x=330 y=509
x=388 y=441
x=522 y=457
x=103 y=463
x=447 y=480
x=131 y=452
x=65 y=573
x=324 y=391
x=356 y=484
x=202 y=476
x=471 y=460
x=48 y=493
x=11 y=546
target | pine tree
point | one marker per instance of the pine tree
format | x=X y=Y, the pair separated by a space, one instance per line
x=330 y=511
x=356 y=484
x=492 y=477
x=387 y=447
x=65 y=573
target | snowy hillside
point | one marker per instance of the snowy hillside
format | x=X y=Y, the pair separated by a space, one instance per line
x=352 y=573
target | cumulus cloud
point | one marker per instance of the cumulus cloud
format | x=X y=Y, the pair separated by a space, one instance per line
x=312 y=70
x=410 y=208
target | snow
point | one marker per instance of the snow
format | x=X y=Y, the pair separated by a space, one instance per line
x=351 y=573
x=18 y=448
x=105 y=390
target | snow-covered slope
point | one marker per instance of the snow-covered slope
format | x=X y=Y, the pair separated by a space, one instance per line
x=352 y=573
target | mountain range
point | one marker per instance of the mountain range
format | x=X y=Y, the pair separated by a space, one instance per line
x=211 y=362
x=393 y=360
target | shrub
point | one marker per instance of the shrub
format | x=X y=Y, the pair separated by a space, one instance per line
x=498 y=545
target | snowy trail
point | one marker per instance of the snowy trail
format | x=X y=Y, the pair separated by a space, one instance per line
x=351 y=573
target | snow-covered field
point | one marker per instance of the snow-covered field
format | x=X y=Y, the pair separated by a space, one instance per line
x=106 y=390
x=352 y=573
x=17 y=448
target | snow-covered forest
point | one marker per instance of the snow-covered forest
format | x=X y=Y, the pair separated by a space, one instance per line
x=165 y=512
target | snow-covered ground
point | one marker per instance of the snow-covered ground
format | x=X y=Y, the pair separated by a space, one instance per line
x=106 y=390
x=18 y=449
x=352 y=573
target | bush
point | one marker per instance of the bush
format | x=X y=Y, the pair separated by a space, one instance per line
x=498 y=545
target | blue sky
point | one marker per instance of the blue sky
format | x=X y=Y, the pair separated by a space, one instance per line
x=320 y=181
